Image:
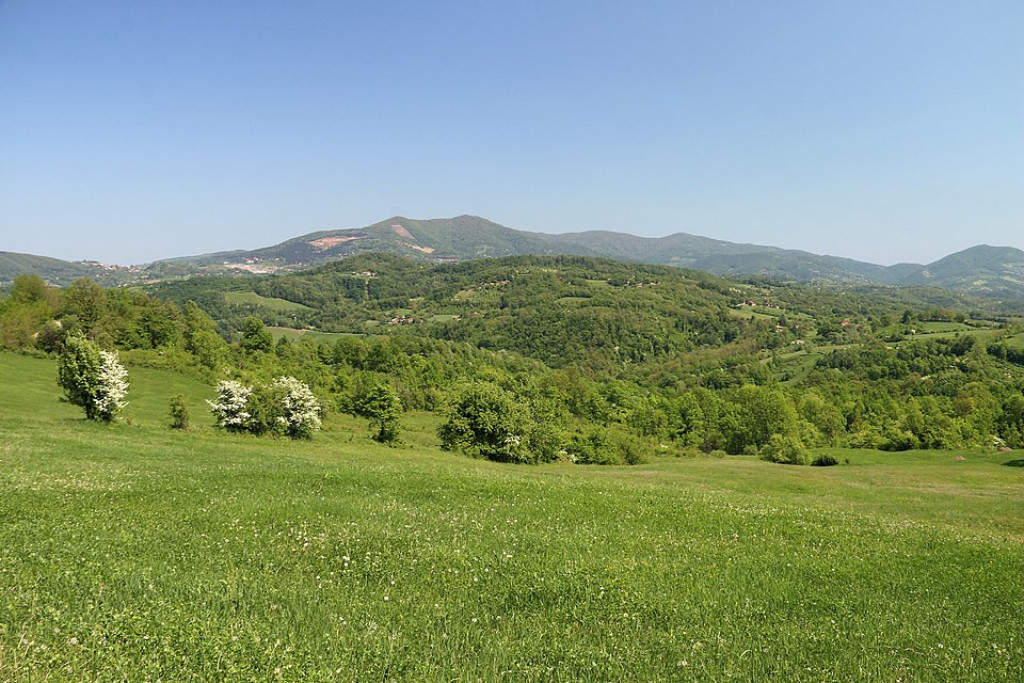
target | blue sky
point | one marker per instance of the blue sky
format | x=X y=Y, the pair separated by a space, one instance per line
x=885 y=131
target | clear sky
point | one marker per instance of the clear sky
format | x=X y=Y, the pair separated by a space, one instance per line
x=884 y=130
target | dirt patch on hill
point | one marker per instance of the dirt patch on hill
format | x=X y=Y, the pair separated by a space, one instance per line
x=425 y=250
x=401 y=231
x=325 y=243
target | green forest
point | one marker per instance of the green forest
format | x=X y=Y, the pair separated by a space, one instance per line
x=533 y=359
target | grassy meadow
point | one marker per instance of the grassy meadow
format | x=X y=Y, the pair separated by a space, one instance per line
x=135 y=552
x=254 y=299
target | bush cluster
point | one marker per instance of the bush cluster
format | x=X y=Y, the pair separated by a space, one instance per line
x=285 y=406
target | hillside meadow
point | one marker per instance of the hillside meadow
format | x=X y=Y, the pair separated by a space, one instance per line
x=136 y=552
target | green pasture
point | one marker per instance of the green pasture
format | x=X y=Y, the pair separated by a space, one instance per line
x=748 y=312
x=254 y=299
x=292 y=334
x=135 y=552
x=929 y=326
x=1016 y=341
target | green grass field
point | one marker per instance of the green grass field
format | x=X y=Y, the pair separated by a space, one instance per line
x=254 y=299
x=292 y=334
x=134 y=552
x=747 y=312
x=930 y=326
x=1016 y=341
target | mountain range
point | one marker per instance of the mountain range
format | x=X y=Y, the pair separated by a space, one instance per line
x=981 y=270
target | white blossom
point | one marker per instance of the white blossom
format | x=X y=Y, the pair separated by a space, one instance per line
x=299 y=409
x=111 y=387
x=229 y=408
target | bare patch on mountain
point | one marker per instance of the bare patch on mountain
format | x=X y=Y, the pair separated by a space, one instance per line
x=325 y=243
x=402 y=232
x=425 y=250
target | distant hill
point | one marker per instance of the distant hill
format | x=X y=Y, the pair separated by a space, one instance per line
x=58 y=272
x=986 y=271
x=983 y=270
x=445 y=240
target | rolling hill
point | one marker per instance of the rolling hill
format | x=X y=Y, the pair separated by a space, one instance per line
x=982 y=270
x=59 y=272
x=985 y=270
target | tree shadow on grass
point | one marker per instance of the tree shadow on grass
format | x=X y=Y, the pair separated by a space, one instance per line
x=1019 y=462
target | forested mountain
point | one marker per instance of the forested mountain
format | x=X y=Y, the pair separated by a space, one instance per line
x=985 y=271
x=455 y=239
x=996 y=272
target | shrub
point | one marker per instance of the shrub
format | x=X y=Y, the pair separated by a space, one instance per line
x=824 y=461
x=179 y=413
x=590 y=448
x=379 y=403
x=92 y=378
x=111 y=387
x=285 y=406
x=786 y=450
x=601 y=446
x=488 y=421
x=231 y=407
x=297 y=409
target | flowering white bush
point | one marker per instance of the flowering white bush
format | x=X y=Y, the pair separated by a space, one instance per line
x=285 y=406
x=92 y=378
x=230 y=406
x=299 y=411
x=111 y=386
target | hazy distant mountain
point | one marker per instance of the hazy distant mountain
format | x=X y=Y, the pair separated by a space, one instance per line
x=982 y=270
x=453 y=239
x=468 y=237
x=58 y=272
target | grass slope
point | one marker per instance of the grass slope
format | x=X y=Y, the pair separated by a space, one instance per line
x=135 y=552
x=255 y=300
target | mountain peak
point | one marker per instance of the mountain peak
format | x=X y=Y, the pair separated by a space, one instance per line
x=982 y=269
